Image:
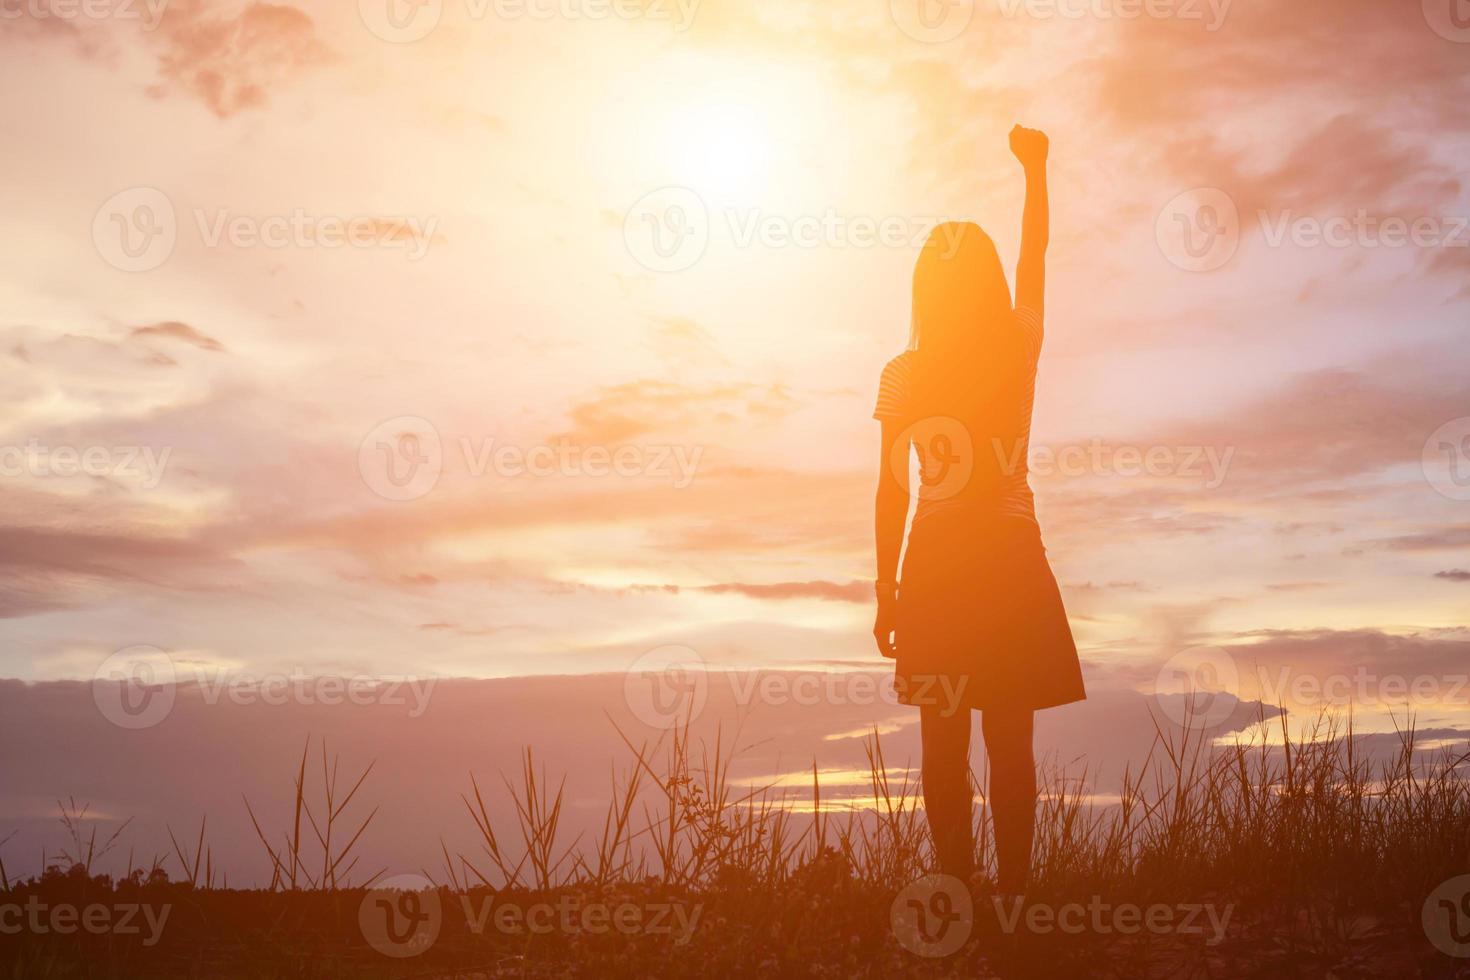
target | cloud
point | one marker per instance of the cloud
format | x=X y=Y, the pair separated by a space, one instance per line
x=174 y=330
x=1454 y=575
x=229 y=63
x=1431 y=653
x=1343 y=134
x=1169 y=72
x=1297 y=586
x=1449 y=538
x=1110 y=587
x=227 y=60
x=45 y=569
x=831 y=591
x=627 y=411
x=40 y=19
x=20 y=596
x=460 y=630
x=856 y=591
x=1316 y=437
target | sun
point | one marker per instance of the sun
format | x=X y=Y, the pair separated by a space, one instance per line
x=740 y=131
x=723 y=147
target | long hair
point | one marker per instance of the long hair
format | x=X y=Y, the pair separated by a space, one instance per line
x=969 y=353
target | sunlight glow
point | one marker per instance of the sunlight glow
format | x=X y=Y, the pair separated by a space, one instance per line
x=723 y=147
x=744 y=132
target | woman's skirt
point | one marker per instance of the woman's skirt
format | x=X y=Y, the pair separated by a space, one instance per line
x=980 y=619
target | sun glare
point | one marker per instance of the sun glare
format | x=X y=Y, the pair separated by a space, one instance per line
x=722 y=147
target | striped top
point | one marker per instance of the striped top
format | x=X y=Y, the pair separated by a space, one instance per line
x=946 y=451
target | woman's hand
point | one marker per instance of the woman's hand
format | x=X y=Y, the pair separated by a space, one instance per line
x=1030 y=146
x=884 y=624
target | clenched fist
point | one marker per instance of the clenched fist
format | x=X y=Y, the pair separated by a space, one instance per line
x=1030 y=146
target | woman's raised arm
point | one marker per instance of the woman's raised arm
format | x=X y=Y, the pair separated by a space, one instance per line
x=1030 y=147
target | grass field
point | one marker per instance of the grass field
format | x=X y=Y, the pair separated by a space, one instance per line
x=1293 y=858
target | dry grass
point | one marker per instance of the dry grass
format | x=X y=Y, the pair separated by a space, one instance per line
x=1324 y=856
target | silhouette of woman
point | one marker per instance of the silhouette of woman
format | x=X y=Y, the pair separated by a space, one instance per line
x=978 y=622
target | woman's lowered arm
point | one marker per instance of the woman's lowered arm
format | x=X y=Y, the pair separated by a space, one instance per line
x=890 y=511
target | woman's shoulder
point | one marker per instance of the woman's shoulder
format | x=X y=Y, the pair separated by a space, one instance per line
x=893 y=387
x=899 y=367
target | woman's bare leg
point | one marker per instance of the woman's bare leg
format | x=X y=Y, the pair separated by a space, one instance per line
x=1008 y=735
x=948 y=799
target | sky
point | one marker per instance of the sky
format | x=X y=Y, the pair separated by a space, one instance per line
x=497 y=340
